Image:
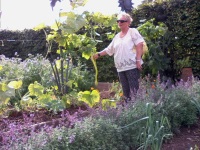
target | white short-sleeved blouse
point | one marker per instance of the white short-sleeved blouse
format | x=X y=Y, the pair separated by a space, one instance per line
x=122 y=49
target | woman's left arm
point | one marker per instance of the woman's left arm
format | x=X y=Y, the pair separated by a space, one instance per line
x=139 y=53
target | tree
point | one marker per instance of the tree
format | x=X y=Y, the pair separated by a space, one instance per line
x=126 y=5
x=53 y=3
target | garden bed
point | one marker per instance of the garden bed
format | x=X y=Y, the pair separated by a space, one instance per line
x=184 y=139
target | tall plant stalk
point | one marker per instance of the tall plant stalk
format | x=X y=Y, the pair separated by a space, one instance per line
x=69 y=42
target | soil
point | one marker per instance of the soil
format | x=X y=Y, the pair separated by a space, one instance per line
x=185 y=139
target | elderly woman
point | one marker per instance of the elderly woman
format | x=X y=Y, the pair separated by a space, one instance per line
x=127 y=62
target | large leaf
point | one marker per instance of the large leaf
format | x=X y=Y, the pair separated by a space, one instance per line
x=39 y=27
x=44 y=99
x=73 y=23
x=3 y=87
x=15 y=84
x=35 y=89
x=27 y=101
x=90 y=98
x=78 y=3
x=50 y=37
x=5 y=93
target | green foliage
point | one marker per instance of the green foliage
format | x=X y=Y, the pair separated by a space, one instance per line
x=37 y=98
x=91 y=98
x=29 y=92
x=97 y=134
x=182 y=19
x=35 y=89
x=176 y=103
x=11 y=69
x=82 y=78
x=28 y=71
x=72 y=45
x=183 y=63
x=155 y=60
x=179 y=109
x=23 y=43
x=184 y=25
x=195 y=95
x=6 y=92
x=155 y=131
x=15 y=84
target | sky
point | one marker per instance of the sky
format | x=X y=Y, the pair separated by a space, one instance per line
x=26 y=14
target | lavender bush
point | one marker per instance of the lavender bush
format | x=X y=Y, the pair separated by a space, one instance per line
x=159 y=109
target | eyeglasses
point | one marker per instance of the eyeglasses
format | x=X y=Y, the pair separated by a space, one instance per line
x=121 y=21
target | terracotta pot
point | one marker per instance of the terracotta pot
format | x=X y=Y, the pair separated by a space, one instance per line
x=186 y=74
x=104 y=86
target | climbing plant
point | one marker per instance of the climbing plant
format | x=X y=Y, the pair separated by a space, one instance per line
x=72 y=45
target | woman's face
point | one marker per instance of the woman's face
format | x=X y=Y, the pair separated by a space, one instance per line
x=123 y=22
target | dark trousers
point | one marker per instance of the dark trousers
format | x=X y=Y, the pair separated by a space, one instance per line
x=130 y=82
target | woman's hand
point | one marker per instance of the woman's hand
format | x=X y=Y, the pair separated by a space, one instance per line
x=139 y=65
x=95 y=56
x=99 y=54
x=139 y=52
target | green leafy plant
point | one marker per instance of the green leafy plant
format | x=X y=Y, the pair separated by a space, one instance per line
x=155 y=60
x=34 y=68
x=195 y=95
x=178 y=19
x=37 y=98
x=91 y=98
x=71 y=44
x=5 y=92
x=184 y=63
x=115 y=92
x=155 y=131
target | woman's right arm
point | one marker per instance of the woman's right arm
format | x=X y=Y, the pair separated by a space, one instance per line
x=99 y=54
x=107 y=51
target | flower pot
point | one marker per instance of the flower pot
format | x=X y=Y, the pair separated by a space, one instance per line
x=104 y=86
x=186 y=74
x=104 y=89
